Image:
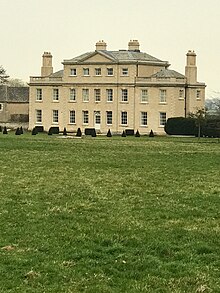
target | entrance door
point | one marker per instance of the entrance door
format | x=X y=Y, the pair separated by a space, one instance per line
x=97 y=119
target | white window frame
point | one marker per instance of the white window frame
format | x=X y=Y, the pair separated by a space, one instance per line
x=55 y=116
x=39 y=94
x=72 y=117
x=109 y=117
x=56 y=94
x=124 y=71
x=85 y=95
x=124 y=95
x=72 y=95
x=86 y=71
x=163 y=96
x=97 y=115
x=109 y=94
x=163 y=118
x=144 y=118
x=144 y=96
x=73 y=72
x=98 y=71
x=38 y=115
x=85 y=114
x=97 y=95
x=110 y=71
x=124 y=118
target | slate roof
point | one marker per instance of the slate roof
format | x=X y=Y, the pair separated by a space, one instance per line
x=167 y=73
x=57 y=74
x=118 y=56
x=14 y=94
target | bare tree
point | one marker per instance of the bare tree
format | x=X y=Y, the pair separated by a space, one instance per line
x=3 y=76
x=16 y=82
x=200 y=119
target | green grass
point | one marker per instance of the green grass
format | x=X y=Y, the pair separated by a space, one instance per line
x=109 y=214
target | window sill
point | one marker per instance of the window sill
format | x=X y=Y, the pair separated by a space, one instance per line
x=72 y=101
x=55 y=101
x=144 y=102
x=71 y=123
x=38 y=101
x=72 y=75
x=123 y=102
x=162 y=103
x=145 y=126
x=123 y=125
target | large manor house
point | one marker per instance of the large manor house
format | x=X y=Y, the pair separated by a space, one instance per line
x=116 y=90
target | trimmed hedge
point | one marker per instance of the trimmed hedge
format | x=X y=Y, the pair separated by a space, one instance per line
x=39 y=128
x=129 y=132
x=90 y=131
x=54 y=130
x=180 y=126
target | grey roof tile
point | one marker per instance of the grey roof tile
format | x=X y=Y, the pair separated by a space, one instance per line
x=167 y=73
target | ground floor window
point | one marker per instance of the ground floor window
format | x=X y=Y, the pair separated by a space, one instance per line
x=143 y=118
x=163 y=118
x=55 y=116
x=72 y=117
x=109 y=117
x=124 y=118
x=38 y=116
x=1 y=107
x=85 y=117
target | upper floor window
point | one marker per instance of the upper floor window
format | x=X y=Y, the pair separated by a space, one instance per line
x=124 y=118
x=56 y=94
x=85 y=71
x=163 y=96
x=55 y=116
x=97 y=93
x=85 y=95
x=124 y=71
x=181 y=94
x=39 y=94
x=109 y=71
x=38 y=116
x=144 y=118
x=198 y=94
x=72 y=94
x=72 y=117
x=109 y=93
x=73 y=71
x=144 y=96
x=98 y=71
x=163 y=118
x=124 y=95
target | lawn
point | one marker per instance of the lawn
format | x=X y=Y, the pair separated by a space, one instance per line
x=113 y=215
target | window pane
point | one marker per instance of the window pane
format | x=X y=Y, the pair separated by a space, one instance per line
x=144 y=95
x=72 y=94
x=109 y=95
x=124 y=71
x=85 y=71
x=143 y=118
x=124 y=118
x=98 y=71
x=109 y=71
x=55 y=116
x=109 y=117
x=85 y=117
x=162 y=118
x=97 y=117
x=39 y=94
x=73 y=71
x=162 y=96
x=97 y=93
x=38 y=116
x=124 y=96
x=55 y=94
x=85 y=94
x=72 y=117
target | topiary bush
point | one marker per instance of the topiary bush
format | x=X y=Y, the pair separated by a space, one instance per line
x=5 y=131
x=54 y=130
x=109 y=133
x=64 y=131
x=34 y=131
x=0 y=129
x=21 y=130
x=93 y=133
x=79 y=132
x=18 y=132
x=137 y=134
x=151 y=134
x=123 y=134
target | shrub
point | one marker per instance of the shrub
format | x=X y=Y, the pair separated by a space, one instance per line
x=109 y=133
x=93 y=134
x=89 y=131
x=54 y=130
x=0 y=129
x=21 y=130
x=180 y=126
x=123 y=134
x=5 y=130
x=129 y=132
x=151 y=134
x=64 y=131
x=137 y=134
x=79 y=132
x=34 y=131
x=50 y=132
x=17 y=132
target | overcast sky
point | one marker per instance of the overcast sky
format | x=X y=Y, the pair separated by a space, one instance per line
x=67 y=28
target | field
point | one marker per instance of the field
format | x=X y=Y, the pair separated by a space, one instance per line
x=113 y=215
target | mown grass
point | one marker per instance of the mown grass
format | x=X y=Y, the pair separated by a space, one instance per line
x=109 y=214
